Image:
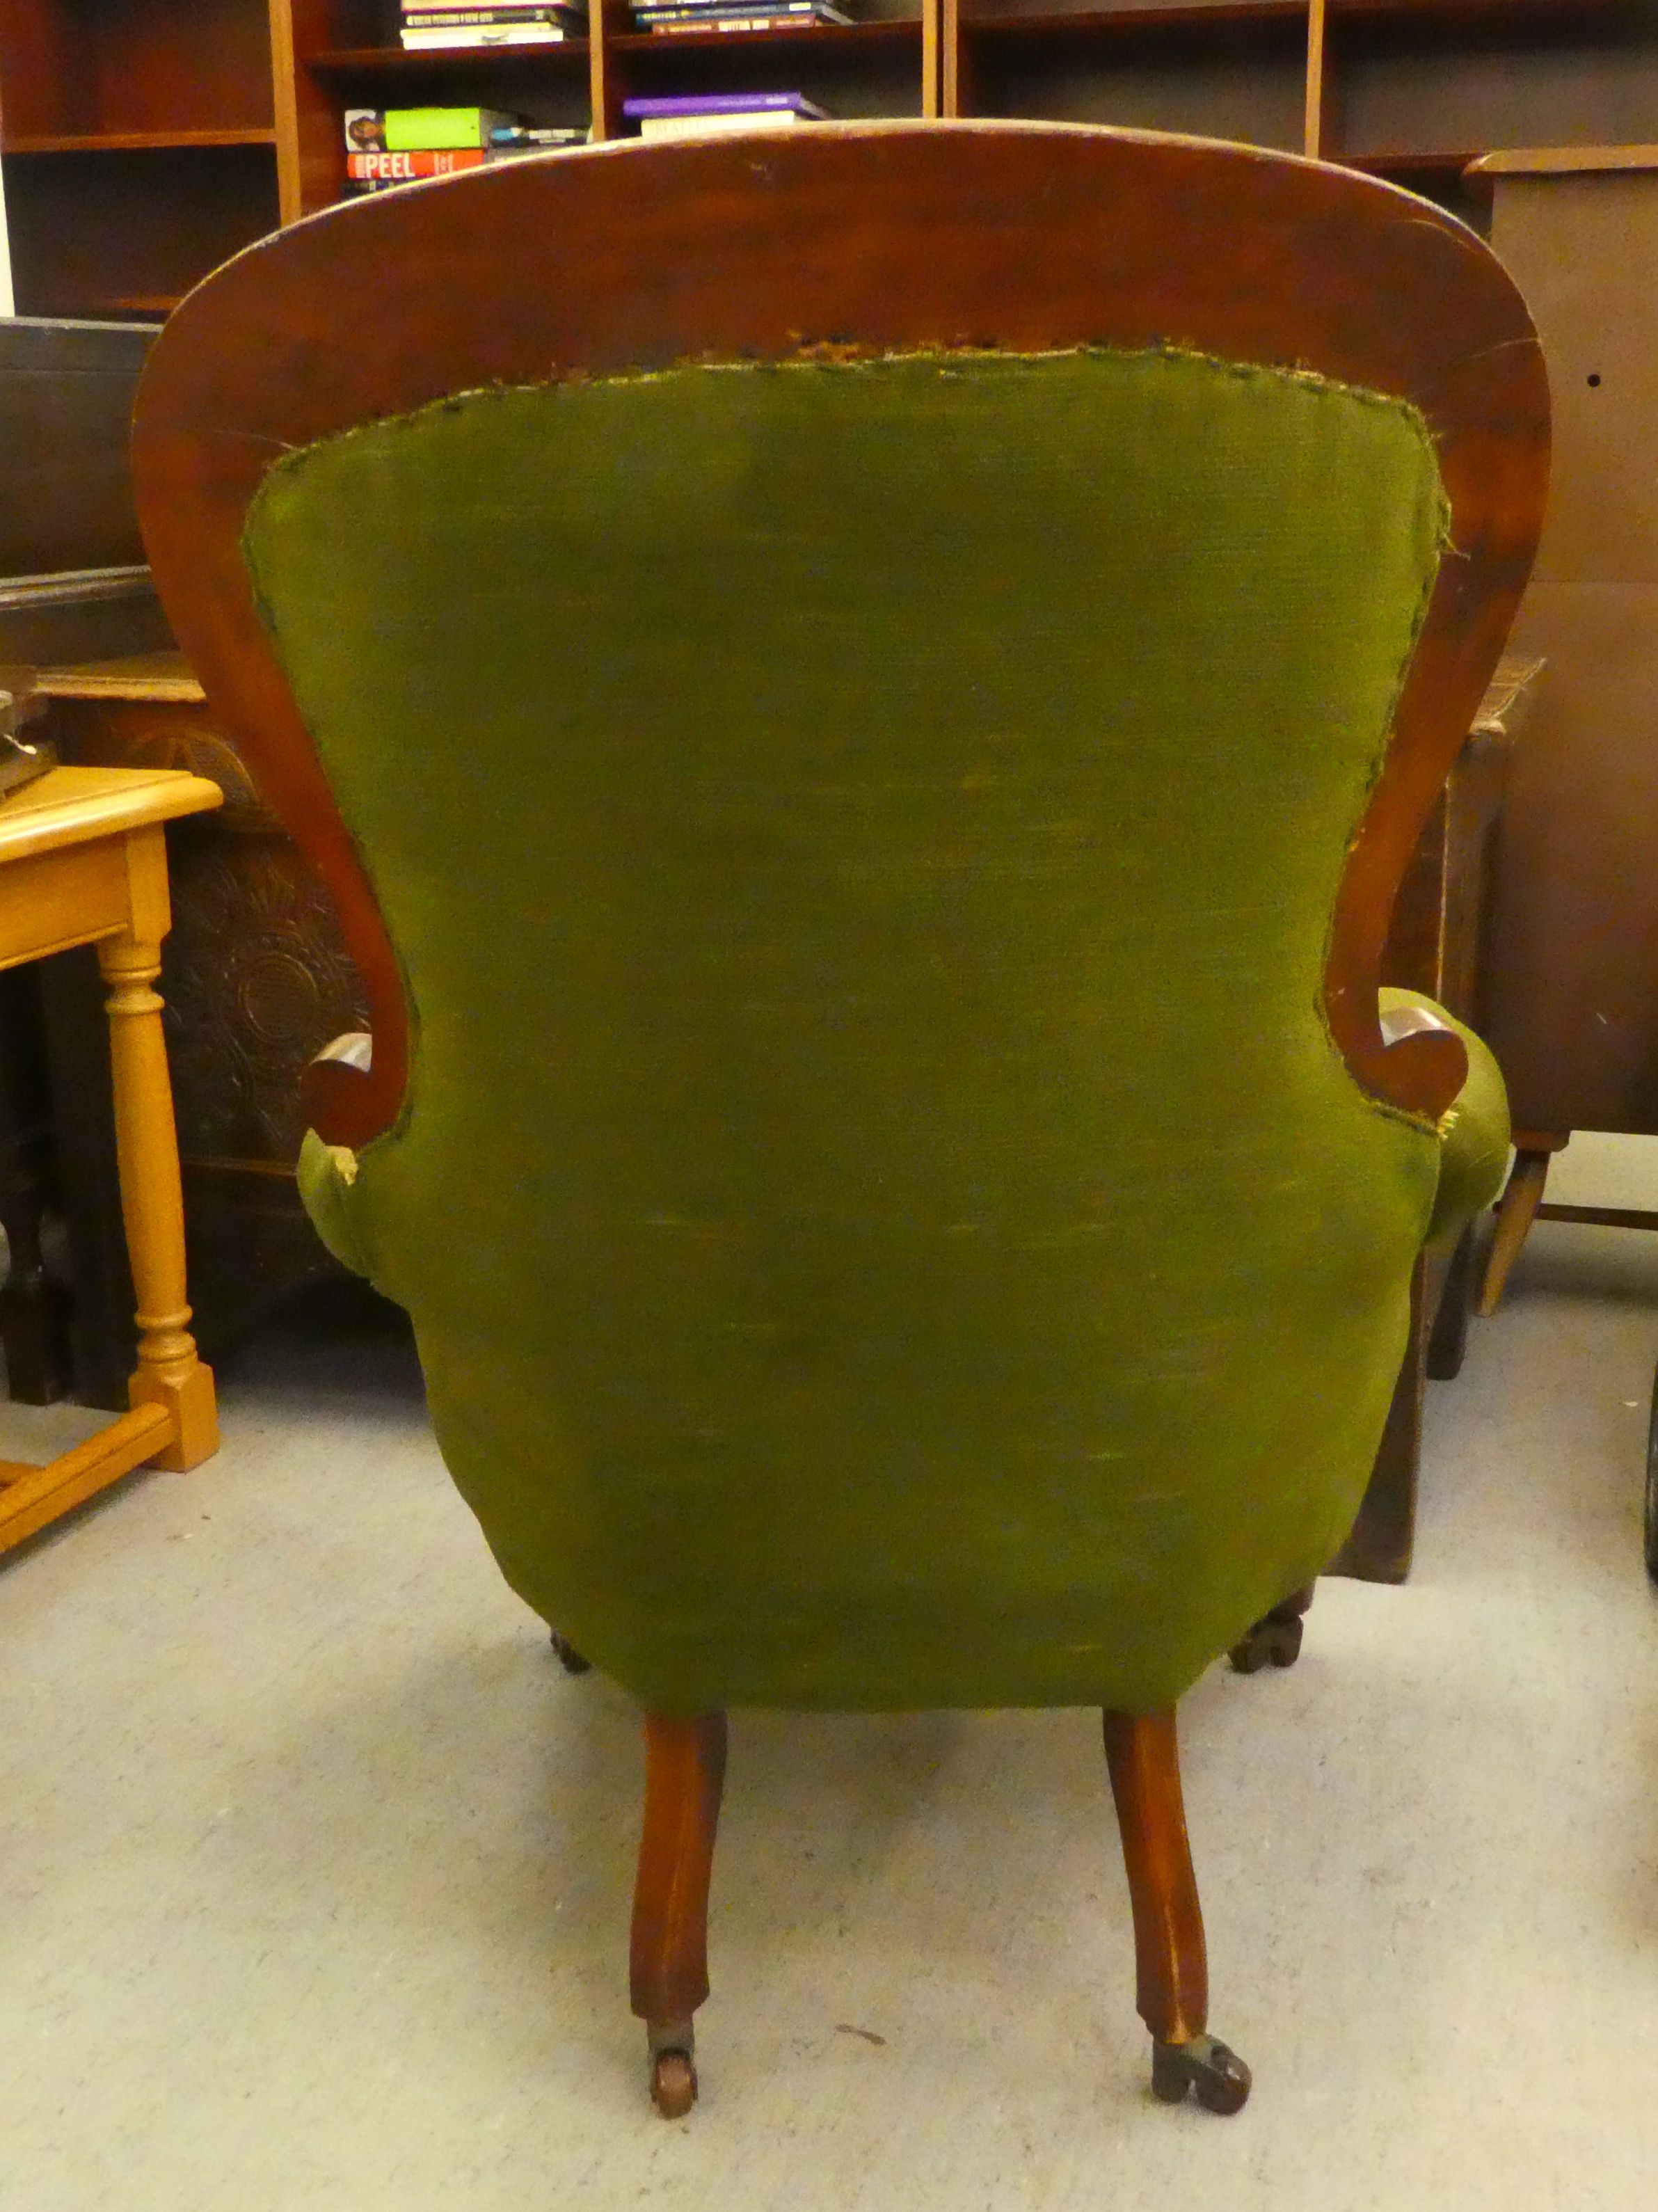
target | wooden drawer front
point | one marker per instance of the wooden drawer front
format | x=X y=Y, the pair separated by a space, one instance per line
x=58 y=899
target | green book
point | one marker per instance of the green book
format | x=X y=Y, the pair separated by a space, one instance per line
x=422 y=129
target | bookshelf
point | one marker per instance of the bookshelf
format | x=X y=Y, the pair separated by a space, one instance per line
x=142 y=140
x=139 y=144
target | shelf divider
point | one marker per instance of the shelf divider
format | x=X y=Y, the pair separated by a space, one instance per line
x=1318 y=83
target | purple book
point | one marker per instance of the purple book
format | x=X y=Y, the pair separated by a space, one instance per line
x=724 y=103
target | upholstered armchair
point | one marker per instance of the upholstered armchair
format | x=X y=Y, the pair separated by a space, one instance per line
x=864 y=696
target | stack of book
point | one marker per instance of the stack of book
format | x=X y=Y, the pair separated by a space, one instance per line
x=703 y=115
x=431 y=24
x=671 y=18
x=387 y=146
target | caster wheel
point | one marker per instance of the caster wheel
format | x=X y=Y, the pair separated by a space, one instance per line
x=1270 y=1642
x=1216 y=2076
x=569 y=1658
x=673 y=2083
x=1170 y=2078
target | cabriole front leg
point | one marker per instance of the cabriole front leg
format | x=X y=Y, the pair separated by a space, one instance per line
x=684 y=1772
x=1171 y=1962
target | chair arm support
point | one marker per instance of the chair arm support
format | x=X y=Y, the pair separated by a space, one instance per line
x=1473 y=1132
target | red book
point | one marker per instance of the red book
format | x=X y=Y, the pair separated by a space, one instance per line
x=388 y=168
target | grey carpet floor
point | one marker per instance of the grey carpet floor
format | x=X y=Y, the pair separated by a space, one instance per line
x=316 y=1866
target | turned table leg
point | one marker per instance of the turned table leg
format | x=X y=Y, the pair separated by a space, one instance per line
x=168 y=1373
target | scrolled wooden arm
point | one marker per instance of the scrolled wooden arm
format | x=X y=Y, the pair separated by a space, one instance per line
x=1421 y=1039
x=335 y=1093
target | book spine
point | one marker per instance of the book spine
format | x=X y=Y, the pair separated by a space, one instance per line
x=418 y=14
x=451 y=18
x=717 y=126
x=704 y=24
x=674 y=11
x=500 y=154
x=655 y=12
x=481 y=35
x=718 y=103
x=405 y=168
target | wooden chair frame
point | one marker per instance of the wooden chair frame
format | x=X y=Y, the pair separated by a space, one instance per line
x=885 y=237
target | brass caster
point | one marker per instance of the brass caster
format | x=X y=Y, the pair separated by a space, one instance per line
x=1275 y=1641
x=1216 y=2076
x=673 y=2068
x=569 y=1658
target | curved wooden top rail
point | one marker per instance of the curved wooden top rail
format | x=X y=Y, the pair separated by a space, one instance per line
x=891 y=235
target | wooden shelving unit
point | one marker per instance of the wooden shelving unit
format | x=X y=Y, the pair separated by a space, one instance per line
x=144 y=140
x=1408 y=90
x=139 y=139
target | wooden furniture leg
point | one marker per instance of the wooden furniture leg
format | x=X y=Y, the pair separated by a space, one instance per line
x=1275 y=1638
x=684 y=1771
x=568 y=1657
x=1141 y=1754
x=1448 y=1338
x=168 y=1373
x=1379 y=1544
x=1383 y=1539
x=1517 y=1207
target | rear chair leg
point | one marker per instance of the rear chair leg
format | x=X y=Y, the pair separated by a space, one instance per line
x=1517 y=1209
x=1276 y=1636
x=684 y=1768
x=1172 y=1967
x=568 y=1657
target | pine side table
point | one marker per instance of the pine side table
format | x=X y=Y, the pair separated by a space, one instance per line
x=83 y=861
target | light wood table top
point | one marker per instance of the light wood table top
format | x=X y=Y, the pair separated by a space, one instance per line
x=68 y=806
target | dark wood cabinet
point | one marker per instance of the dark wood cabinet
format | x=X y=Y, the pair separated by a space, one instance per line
x=1574 y=1002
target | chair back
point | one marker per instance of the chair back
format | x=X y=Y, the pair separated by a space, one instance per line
x=865 y=695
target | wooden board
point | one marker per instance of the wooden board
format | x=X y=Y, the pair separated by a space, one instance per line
x=1571 y=1005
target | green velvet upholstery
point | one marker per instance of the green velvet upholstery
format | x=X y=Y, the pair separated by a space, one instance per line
x=884 y=1220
